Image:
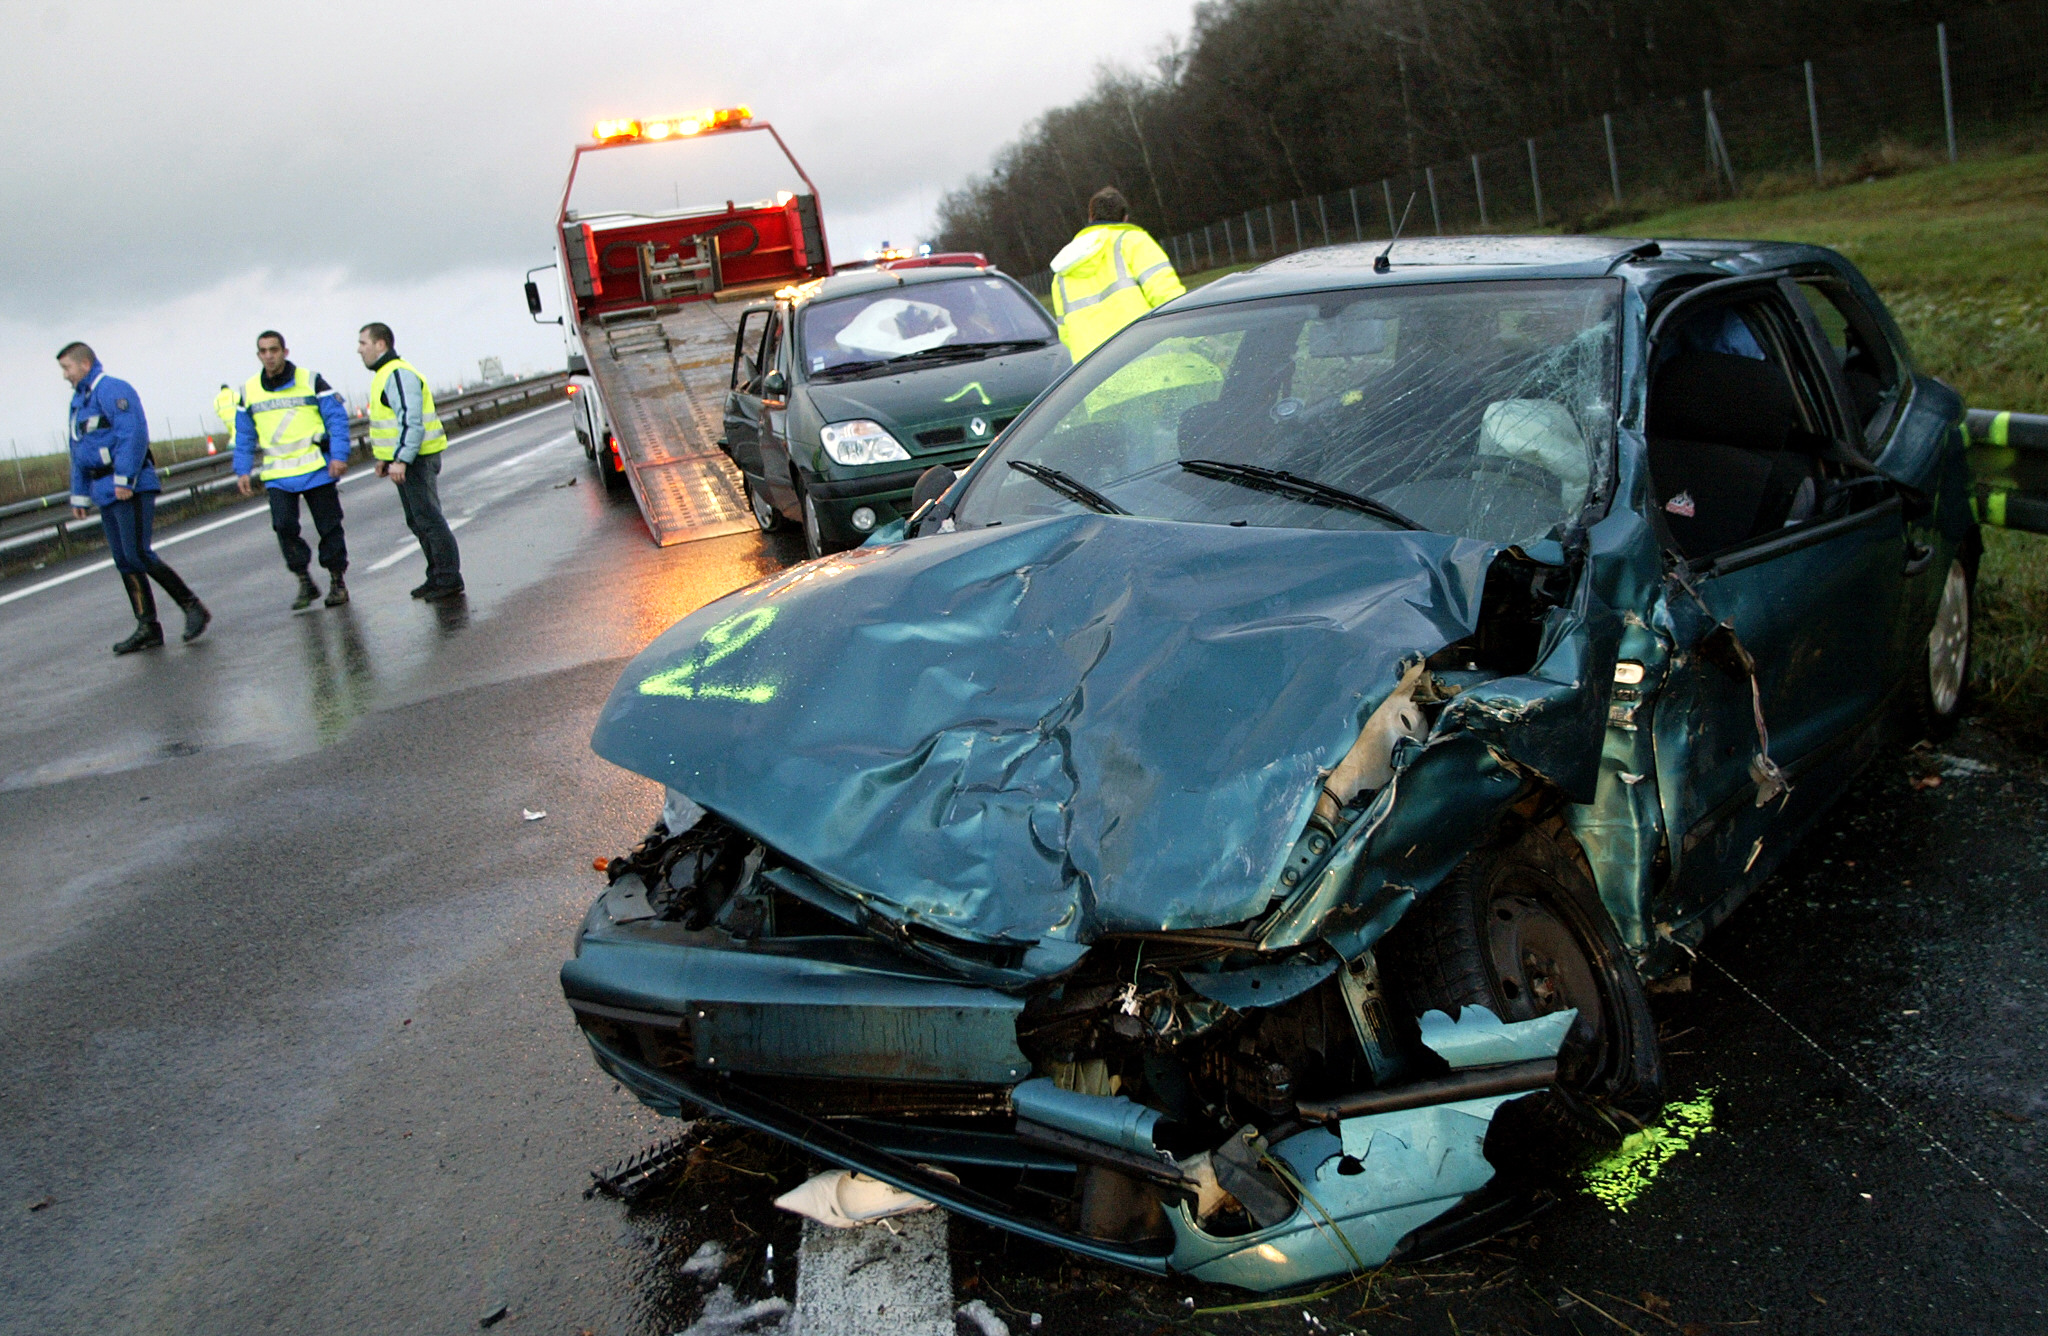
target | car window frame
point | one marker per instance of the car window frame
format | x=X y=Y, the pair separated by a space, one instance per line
x=1868 y=437
x=740 y=355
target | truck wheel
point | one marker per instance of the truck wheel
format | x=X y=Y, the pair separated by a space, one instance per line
x=1945 y=671
x=1518 y=929
x=613 y=476
x=765 y=514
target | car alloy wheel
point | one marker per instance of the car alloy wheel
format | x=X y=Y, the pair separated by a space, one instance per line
x=814 y=537
x=1948 y=643
x=765 y=514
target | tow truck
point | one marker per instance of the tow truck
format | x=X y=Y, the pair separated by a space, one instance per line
x=649 y=313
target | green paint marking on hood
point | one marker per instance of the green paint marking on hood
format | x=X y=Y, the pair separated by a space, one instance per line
x=1621 y=1177
x=734 y=633
x=961 y=393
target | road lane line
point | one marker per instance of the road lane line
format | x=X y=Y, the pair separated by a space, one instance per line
x=412 y=549
x=525 y=455
x=105 y=564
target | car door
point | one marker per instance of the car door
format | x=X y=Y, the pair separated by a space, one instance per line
x=1780 y=623
x=775 y=456
x=743 y=394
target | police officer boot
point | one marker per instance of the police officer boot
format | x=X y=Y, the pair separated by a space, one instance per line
x=147 y=634
x=196 y=615
x=308 y=591
x=337 y=592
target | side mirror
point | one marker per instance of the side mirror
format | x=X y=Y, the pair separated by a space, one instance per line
x=533 y=297
x=774 y=385
x=932 y=484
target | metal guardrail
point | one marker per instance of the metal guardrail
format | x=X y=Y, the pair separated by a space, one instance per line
x=2009 y=465
x=196 y=477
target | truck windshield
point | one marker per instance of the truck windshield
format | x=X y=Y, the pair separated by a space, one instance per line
x=954 y=318
x=1484 y=410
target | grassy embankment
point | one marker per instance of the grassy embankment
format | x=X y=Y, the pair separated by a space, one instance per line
x=39 y=475
x=1960 y=253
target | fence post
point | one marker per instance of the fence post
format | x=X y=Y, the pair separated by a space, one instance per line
x=1294 y=207
x=1435 y=214
x=1209 y=244
x=1717 y=146
x=1479 y=189
x=1613 y=163
x=20 y=478
x=1229 y=246
x=1813 y=120
x=1357 y=232
x=1535 y=182
x=1948 y=96
x=1273 y=229
x=1323 y=215
x=1251 y=238
x=1387 y=189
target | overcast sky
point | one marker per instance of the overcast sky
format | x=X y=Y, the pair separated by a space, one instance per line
x=181 y=176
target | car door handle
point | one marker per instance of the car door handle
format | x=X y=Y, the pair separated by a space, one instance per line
x=1919 y=556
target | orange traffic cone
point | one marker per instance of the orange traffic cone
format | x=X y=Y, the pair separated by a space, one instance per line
x=211 y=449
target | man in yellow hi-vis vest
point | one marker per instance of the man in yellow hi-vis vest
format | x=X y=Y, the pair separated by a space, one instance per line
x=407 y=438
x=1111 y=273
x=299 y=423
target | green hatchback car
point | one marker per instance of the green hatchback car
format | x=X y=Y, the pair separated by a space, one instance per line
x=845 y=390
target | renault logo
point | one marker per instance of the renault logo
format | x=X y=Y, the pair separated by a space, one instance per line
x=978 y=426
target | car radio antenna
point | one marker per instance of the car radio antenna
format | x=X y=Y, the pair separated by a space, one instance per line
x=1380 y=263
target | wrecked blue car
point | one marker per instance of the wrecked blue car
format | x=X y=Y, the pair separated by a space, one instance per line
x=1230 y=833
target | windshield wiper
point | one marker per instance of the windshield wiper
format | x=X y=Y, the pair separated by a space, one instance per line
x=949 y=351
x=1293 y=484
x=1070 y=487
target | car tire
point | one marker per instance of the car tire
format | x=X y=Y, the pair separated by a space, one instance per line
x=814 y=533
x=1519 y=929
x=765 y=514
x=1945 y=667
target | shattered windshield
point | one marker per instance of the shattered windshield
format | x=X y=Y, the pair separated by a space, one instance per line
x=1484 y=410
x=963 y=317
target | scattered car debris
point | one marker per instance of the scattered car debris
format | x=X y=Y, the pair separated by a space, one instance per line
x=842 y=1199
x=724 y=1315
x=1282 y=759
x=982 y=1318
x=707 y=1262
x=42 y=1203
x=530 y=815
x=494 y=1317
x=637 y=1175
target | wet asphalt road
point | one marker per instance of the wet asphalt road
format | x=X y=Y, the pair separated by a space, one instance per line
x=281 y=1045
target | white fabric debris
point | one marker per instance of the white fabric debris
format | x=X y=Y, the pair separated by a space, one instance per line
x=707 y=1261
x=530 y=814
x=724 y=1315
x=842 y=1199
x=983 y=1318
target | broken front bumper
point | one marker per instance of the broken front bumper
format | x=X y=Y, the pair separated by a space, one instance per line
x=854 y=1054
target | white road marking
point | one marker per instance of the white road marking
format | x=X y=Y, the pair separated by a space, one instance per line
x=413 y=549
x=94 y=568
x=525 y=455
x=875 y=1280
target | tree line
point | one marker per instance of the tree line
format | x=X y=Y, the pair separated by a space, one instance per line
x=1276 y=99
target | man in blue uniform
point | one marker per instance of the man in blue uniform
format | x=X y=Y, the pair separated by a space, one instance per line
x=111 y=468
x=300 y=424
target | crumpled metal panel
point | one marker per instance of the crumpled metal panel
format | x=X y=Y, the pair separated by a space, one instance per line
x=1043 y=730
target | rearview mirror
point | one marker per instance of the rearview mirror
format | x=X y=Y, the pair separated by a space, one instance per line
x=774 y=385
x=533 y=296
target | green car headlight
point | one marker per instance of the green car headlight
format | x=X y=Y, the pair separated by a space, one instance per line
x=861 y=442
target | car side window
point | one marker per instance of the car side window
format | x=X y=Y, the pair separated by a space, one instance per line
x=1854 y=339
x=1735 y=449
x=746 y=368
x=771 y=342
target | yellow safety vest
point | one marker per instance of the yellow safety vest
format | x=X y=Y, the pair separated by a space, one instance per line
x=1119 y=282
x=384 y=423
x=288 y=426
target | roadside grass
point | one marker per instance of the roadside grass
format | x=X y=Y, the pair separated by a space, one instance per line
x=24 y=476
x=1960 y=255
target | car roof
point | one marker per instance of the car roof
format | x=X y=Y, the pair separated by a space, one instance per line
x=1643 y=262
x=854 y=283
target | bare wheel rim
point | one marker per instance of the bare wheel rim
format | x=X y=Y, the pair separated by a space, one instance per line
x=1542 y=967
x=813 y=533
x=763 y=514
x=1948 y=644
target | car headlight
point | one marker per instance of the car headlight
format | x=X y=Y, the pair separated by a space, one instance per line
x=861 y=442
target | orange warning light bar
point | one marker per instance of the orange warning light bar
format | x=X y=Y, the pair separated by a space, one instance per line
x=672 y=127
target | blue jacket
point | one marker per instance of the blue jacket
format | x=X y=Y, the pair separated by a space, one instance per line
x=109 y=440
x=333 y=412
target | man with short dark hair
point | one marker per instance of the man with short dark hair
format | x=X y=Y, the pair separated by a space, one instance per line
x=300 y=424
x=1111 y=273
x=407 y=438
x=112 y=468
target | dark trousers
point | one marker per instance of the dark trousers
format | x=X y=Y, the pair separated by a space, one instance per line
x=420 y=495
x=127 y=525
x=325 y=504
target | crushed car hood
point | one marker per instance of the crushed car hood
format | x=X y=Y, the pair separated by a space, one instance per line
x=1045 y=731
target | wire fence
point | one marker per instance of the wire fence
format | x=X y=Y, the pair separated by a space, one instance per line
x=1924 y=95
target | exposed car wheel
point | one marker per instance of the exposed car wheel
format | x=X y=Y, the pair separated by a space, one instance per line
x=814 y=535
x=765 y=514
x=1518 y=928
x=1946 y=669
